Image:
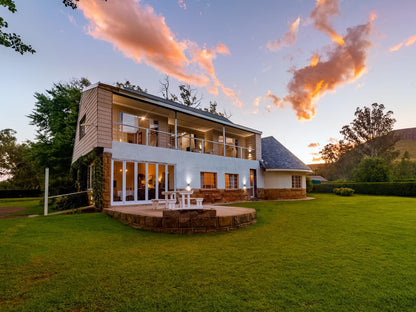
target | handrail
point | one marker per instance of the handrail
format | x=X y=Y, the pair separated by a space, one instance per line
x=148 y=131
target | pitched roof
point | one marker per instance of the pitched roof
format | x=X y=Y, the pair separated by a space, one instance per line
x=277 y=157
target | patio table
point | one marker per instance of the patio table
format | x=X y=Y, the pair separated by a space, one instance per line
x=185 y=195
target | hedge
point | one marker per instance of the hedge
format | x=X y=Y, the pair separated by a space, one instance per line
x=19 y=193
x=372 y=188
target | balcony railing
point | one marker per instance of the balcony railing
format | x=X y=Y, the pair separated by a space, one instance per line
x=157 y=138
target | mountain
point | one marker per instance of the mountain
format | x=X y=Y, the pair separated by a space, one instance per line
x=407 y=142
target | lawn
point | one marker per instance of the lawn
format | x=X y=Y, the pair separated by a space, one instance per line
x=329 y=254
x=33 y=205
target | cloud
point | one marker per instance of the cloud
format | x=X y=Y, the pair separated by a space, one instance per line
x=314 y=145
x=142 y=35
x=182 y=4
x=317 y=159
x=345 y=63
x=324 y=10
x=408 y=42
x=333 y=140
x=288 y=39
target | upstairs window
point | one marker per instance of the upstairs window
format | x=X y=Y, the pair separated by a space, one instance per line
x=82 y=127
x=296 y=181
x=231 y=181
x=208 y=180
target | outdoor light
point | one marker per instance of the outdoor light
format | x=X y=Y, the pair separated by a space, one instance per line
x=188 y=188
x=244 y=186
x=142 y=118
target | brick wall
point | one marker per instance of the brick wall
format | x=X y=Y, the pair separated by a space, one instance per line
x=107 y=180
x=289 y=193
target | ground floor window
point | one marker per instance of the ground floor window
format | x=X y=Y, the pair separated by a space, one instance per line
x=208 y=180
x=296 y=181
x=231 y=181
x=140 y=181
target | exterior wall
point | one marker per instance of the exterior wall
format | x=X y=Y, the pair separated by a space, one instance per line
x=107 y=179
x=95 y=105
x=188 y=166
x=278 y=185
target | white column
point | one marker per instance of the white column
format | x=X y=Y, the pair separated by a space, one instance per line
x=135 y=181
x=157 y=181
x=223 y=138
x=124 y=182
x=146 y=187
x=112 y=182
x=176 y=132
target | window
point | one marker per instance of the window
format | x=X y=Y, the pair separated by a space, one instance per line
x=208 y=180
x=82 y=127
x=296 y=181
x=231 y=181
x=90 y=176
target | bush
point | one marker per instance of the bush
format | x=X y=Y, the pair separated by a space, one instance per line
x=343 y=191
x=19 y=193
x=71 y=202
x=372 y=170
x=371 y=188
x=309 y=185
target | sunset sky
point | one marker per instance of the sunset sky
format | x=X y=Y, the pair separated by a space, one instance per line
x=295 y=70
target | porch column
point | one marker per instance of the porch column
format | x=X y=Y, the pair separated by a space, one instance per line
x=176 y=132
x=223 y=138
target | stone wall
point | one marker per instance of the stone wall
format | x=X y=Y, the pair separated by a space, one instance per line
x=190 y=221
x=220 y=195
x=107 y=180
x=289 y=193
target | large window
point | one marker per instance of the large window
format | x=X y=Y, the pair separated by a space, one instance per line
x=139 y=181
x=231 y=181
x=208 y=180
x=296 y=181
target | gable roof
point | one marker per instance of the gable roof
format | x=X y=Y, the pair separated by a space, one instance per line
x=276 y=157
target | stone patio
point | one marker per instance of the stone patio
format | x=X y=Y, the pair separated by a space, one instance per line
x=184 y=221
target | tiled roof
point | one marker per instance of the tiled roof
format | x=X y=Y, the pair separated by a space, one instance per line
x=276 y=156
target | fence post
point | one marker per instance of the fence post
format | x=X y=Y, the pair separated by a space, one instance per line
x=45 y=206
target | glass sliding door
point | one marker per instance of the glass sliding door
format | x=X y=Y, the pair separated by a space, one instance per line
x=161 y=180
x=141 y=181
x=118 y=181
x=151 y=182
x=129 y=181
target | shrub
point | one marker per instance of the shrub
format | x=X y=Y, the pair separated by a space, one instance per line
x=309 y=185
x=343 y=191
x=372 y=188
x=71 y=202
x=372 y=170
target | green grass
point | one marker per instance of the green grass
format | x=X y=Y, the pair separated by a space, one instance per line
x=33 y=205
x=330 y=254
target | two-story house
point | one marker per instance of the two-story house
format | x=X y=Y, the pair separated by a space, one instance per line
x=149 y=145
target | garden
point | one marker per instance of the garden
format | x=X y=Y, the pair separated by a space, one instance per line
x=332 y=253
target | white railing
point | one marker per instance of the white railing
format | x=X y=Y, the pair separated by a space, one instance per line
x=158 y=138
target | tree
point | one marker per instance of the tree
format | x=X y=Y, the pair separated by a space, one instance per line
x=405 y=169
x=213 y=110
x=189 y=96
x=331 y=152
x=372 y=169
x=55 y=117
x=12 y=40
x=128 y=85
x=373 y=127
x=15 y=163
x=165 y=90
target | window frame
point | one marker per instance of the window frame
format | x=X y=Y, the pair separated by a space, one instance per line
x=296 y=181
x=82 y=127
x=215 y=180
x=235 y=181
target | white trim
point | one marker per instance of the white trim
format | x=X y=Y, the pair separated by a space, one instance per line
x=289 y=170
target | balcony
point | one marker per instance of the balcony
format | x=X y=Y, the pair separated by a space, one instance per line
x=129 y=133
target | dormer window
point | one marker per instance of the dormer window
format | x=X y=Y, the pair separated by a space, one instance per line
x=82 y=127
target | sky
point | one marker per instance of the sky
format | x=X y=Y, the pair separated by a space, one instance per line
x=296 y=70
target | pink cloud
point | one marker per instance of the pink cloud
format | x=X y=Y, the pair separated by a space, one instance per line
x=311 y=145
x=182 y=4
x=142 y=35
x=324 y=10
x=408 y=42
x=288 y=39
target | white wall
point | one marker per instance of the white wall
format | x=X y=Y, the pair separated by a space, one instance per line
x=281 y=179
x=188 y=165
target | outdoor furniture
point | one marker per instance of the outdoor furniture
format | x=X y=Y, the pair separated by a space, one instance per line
x=185 y=195
x=155 y=203
x=170 y=199
x=198 y=201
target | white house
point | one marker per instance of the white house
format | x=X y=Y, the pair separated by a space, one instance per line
x=148 y=145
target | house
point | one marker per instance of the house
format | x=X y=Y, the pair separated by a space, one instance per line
x=318 y=179
x=148 y=145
